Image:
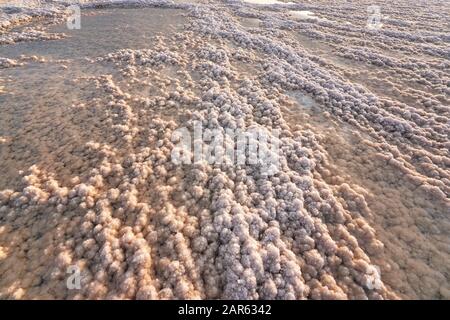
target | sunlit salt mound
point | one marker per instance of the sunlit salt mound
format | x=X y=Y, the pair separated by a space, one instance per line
x=302 y=15
x=266 y=2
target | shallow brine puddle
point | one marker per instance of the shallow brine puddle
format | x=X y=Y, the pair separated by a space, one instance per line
x=103 y=31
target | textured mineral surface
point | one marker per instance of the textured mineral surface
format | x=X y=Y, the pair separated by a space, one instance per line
x=358 y=209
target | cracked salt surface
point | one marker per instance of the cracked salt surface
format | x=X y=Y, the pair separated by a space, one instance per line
x=358 y=210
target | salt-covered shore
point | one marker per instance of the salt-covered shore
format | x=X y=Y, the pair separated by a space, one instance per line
x=358 y=210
